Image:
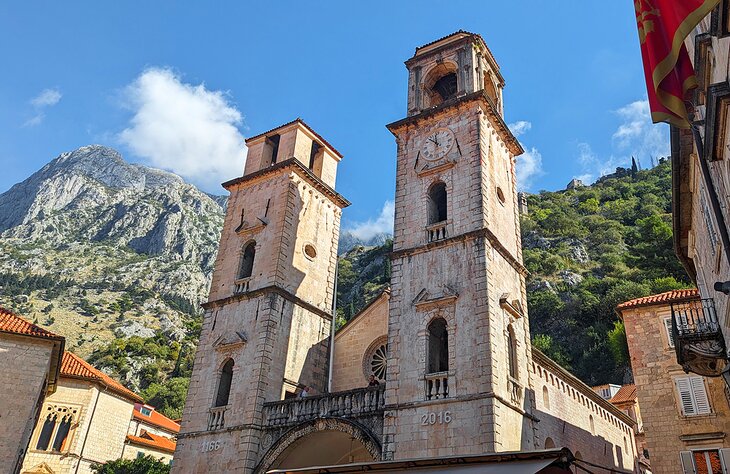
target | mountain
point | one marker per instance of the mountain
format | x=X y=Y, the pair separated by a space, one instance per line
x=93 y=247
x=349 y=240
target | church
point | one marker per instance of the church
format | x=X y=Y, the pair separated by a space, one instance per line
x=275 y=387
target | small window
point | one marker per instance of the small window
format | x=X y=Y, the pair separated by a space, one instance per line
x=668 y=327
x=512 y=353
x=692 y=395
x=706 y=461
x=438 y=346
x=592 y=424
x=437 y=203
x=313 y=154
x=545 y=397
x=145 y=411
x=549 y=443
x=310 y=251
x=44 y=439
x=249 y=254
x=500 y=195
x=273 y=143
x=224 y=384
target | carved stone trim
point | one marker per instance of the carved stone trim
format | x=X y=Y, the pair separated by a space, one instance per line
x=229 y=341
x=425 y=301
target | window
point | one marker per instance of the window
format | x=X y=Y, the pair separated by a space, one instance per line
x=692 y=395
x=706 y=461
x=249 y=253
x=438 y=346
x=313 y=154
x=146 y=411
x=512 y=352
x=545 y=397
x=500 y=195
x=44 y=439
x=55 y=432
x=273 y=143
x=592 y=423
x=446 y=87
x=310 y=251
x=668 y=327
x=224 y=384
x=376 y=359
x=62 y=433
x=549 y=443
x=437 y=203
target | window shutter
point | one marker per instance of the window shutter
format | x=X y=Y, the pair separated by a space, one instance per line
x=685 y=395
x=725 y=456
x=688 y=465
x=670 y=336
x=700 y=395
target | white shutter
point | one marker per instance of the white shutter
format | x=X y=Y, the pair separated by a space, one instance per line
x=688 y=465
x=684 y=389
x=725 y=456
x=699 y=393
x=670 y=336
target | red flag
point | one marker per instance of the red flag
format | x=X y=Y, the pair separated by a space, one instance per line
x=663 y=26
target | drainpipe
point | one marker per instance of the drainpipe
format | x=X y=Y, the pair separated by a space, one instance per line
x=332 y=329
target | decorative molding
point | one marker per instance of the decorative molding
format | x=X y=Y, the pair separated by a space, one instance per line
x=425 y=301
x=230 y=340
x=435 y=167
x=718 y=103
x=514 y=307
x=248 y=229
x=702 y=436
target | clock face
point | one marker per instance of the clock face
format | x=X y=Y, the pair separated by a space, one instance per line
x=437 y=144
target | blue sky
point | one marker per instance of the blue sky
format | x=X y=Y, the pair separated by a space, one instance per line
x=213 y=73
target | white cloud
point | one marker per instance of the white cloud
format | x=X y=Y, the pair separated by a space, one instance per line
x=46 y=98
x=184 y=128
x=528 y=167
x=637 y=135
x=520 y=127
x=383 y=224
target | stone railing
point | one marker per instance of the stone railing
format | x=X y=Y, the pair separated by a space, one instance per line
x=216 y=418
x=515 y=391
x=351 y=404
x=242 y=285
x=436 y=231
x=437 y=385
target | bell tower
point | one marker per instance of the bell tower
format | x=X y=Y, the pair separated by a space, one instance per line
x=458 y=339
x=268 y=318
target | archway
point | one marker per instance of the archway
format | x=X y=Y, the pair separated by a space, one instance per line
x=346 y=442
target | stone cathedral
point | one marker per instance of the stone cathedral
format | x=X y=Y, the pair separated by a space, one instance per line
x=274 y=386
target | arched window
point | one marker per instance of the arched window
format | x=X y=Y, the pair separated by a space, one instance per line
x=578 y=456
x=438 y=346
x=440 y=84
x=44 y=439
x=249 y=253
x=63 y=428
x=490 y=90
x=224 y=384
x=446 y=87
x=512 y=352
x=545 y=397
x=549 y=443
x=437 y=203
x=592 y=423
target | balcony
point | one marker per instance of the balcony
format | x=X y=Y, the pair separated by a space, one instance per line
x=356 y=403
x=436 y=232
x=515 y=391
x=216 y=418
x=242 y=285
x=437 y=385
x=698 y=340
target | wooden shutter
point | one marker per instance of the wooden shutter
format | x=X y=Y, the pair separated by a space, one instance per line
x=684 y=388
x=670 y=336
x=725 y=456
x=688 y=465
x=699 y=393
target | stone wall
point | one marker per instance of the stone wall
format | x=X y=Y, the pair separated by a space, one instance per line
x=655 y=368
x=24 y=368
x=353 y=341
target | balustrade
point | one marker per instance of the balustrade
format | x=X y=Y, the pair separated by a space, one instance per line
x=515 y=391
x=242 y=285
x=216 y=418
x=436 y=231
x=437 y=385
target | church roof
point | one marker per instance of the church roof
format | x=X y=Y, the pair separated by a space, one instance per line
x=661 y=298
x=74 y=366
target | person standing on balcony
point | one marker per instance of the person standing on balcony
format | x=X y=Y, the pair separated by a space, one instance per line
x=372 y=381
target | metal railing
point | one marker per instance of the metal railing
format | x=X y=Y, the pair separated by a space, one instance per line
x=436 y=231
x=437 y=385
x=349 y=404
x=694 y=319
x=216 y=418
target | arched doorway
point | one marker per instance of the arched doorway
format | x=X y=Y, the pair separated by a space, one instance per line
x=346 y=442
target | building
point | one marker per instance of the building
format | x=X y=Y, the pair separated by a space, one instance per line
x=701 y=199
x=450 y=339
x=685 y=417
x=626 y=400
x=150 y=433
x=607 y=391
x=30 y=360
x=85 y=421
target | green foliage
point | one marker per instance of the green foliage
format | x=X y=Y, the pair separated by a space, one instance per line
x=362 y=274
x=142 y=465
x=623 y=222
x=168 y=396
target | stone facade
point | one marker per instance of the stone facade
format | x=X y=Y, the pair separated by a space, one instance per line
x=460 y=373
x=668 y=430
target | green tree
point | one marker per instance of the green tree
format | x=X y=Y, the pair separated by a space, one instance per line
x=142 y=465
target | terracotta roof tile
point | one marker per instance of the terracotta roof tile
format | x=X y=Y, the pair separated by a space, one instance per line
x=667 y=297
x=75 y=367
x=153 y=441
x=156 y=419
x=626 y=393
x=12 y=323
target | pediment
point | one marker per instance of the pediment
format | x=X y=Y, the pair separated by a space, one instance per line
x=513 y=307
x=443 y=296
x=251 y=227
x=41 y=468
x=230 y=340
x=425 y=168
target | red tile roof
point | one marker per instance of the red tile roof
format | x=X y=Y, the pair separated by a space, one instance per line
x=75 y=367
x=12 y=323
x=626 y=393
x=153 y=441
x=155 y=419
x=667 y=297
